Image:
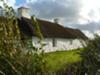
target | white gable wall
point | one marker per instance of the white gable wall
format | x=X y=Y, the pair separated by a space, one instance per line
x=61 y=44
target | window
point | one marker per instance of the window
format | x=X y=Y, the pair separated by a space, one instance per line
x=54 y=42
x=71 y=42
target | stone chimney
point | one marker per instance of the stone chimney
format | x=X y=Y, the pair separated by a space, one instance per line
x=23 y=12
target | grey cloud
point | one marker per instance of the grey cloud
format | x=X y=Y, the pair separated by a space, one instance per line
x=89 y=29
x=49 y=9
x=92 y=27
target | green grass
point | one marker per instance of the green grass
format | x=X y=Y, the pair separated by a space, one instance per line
x=60 y=59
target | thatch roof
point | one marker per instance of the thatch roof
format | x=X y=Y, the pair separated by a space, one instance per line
x=48 y=29
x=76 y=33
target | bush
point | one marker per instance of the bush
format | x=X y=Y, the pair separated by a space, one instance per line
x=73 y=69
x=13 y=59
x=22 y=64
x=91 y=56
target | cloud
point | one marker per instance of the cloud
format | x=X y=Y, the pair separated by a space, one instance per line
x=29 y=1
x=97 y=32
x=88 y=34
x=90 y=10
x=9 y=2
x=92 y=27
x=89 y=29
x=65 y=10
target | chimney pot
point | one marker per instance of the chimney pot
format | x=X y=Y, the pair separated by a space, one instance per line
x=56 y=20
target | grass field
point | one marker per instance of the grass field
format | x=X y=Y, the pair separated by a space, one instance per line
x=60 y=59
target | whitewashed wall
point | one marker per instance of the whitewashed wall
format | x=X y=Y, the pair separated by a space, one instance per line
x=61 y=44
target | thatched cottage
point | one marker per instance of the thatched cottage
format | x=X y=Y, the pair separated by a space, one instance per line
x=56 y=37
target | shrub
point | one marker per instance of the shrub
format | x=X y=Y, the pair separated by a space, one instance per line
x=73 y=69
x=91 y=56
x=13 y=59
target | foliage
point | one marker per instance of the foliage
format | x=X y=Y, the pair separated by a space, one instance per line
x=37 y=27
x=75 y=68
x=13 y=58
x=91 y=56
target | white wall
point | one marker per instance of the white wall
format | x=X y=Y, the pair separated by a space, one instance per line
x=61 y=44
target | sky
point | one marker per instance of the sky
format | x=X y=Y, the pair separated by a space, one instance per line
x=81 y=14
